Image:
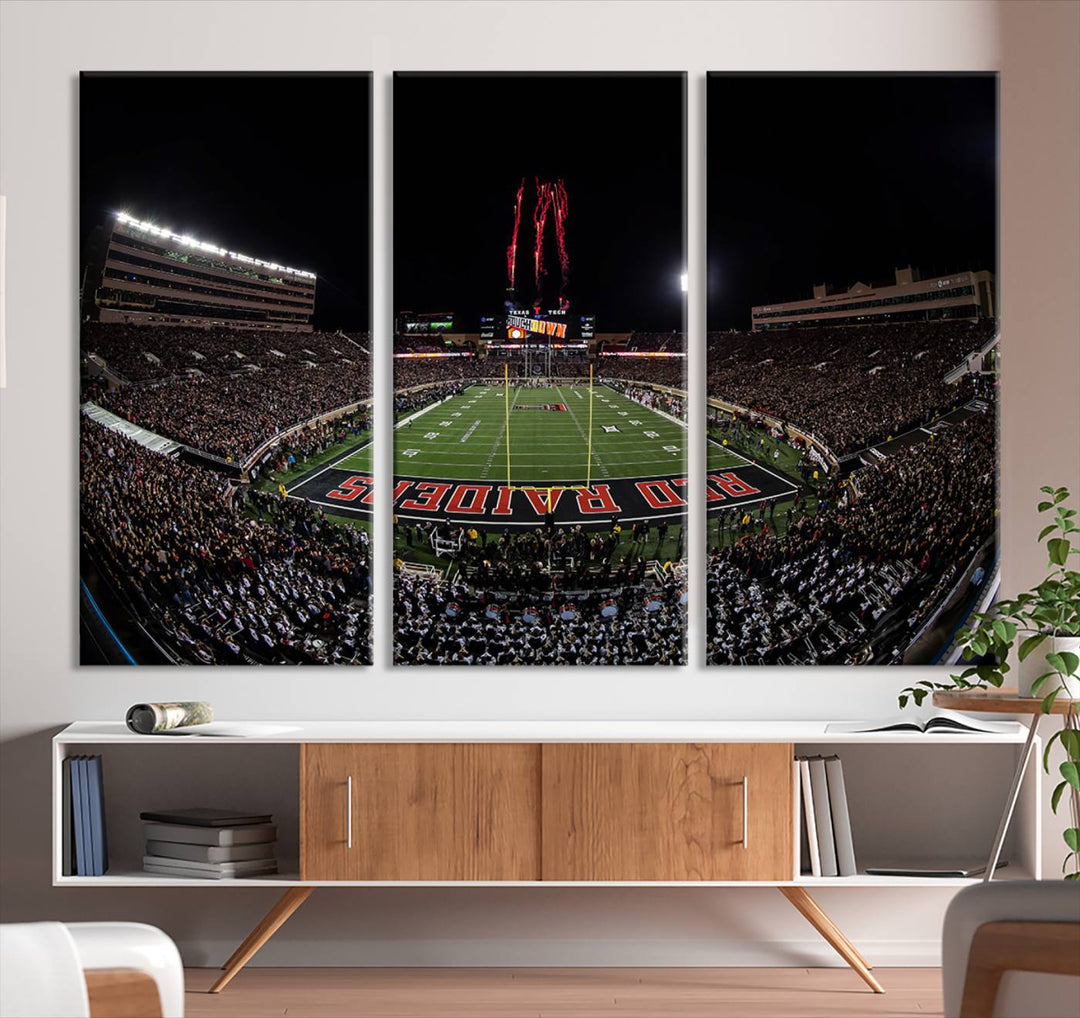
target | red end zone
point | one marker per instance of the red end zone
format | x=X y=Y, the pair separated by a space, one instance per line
x=421 y=498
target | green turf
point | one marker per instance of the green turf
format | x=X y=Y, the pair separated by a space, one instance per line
x=720 y=458
x=738 y=451
x=361 y=461
x=546 y=447
x=358 y=461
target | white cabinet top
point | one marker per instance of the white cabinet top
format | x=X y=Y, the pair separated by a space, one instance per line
x=102 y=732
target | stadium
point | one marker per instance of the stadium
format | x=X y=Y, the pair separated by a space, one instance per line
x=224 y=357
x=539 y=375
x=882 y=433
x=202 y=403
x=539 y=515
x=852 y=354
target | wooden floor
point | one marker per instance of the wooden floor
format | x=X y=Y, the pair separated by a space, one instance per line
x=563 y=993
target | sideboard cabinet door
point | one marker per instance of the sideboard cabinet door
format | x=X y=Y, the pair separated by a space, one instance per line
x=664 y=811
x=433 y=811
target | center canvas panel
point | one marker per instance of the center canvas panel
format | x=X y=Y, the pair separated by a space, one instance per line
x=539 y=369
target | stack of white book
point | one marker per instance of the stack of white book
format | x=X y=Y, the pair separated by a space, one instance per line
x=209 y=844
x=828 y=849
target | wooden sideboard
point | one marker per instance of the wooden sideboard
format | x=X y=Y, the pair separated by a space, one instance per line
x=567 y=812
x=543 y=803
x=435 y=811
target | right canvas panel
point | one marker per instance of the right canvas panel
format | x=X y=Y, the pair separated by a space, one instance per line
x=852 y=365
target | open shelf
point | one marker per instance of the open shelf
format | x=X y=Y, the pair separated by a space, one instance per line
x=900 y=789
x=914 y=803
x=160 y=775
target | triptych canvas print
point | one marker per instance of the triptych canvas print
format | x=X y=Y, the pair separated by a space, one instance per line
x=541 y=395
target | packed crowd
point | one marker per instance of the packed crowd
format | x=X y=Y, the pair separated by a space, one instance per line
x=410 y=372
x=423 y=342
x=662 y=402
x=853 y=582
x=670 y=342
x=142 y=352
x=852 y=386
x=231 y=416
x=670 y=371
x=296 y=449
x=454 y=624
x=273 y=582
x=549 y=559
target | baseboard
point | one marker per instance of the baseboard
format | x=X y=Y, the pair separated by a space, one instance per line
x=513 y=953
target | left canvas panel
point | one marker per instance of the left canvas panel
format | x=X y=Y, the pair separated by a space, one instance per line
x=224 y=361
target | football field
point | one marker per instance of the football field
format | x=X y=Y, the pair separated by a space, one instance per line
x=520 y=456
x=546 y=433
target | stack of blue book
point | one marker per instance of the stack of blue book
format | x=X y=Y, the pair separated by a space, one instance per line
x=86 y=848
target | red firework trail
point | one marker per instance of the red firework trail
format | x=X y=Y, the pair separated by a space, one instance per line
x=559 y=202
x=511 y=251
x=540 y=214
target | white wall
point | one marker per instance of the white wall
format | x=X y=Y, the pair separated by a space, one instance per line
x=44 y=45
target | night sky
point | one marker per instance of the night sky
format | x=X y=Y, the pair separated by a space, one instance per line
x=276 y=167
x=462 y=143
x=838 y=179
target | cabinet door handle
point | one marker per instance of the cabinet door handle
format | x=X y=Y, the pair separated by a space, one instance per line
x=348 y=812
x=745 y=811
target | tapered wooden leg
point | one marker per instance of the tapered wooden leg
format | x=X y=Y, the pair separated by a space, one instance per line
x=816 y=917
x=285 y=906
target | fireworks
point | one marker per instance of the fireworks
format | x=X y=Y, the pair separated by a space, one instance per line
x=540 y=214
x=511 y=251
x=550 y=198
x=559 y=203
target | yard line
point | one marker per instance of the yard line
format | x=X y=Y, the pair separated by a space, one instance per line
x=495 y=444
x=584 y=437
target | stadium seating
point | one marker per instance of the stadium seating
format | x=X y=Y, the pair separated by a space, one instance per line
x=853 y=582
x=852 y=386
x=215 y=578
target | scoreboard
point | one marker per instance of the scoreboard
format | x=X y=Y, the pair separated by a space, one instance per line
x=534 y=325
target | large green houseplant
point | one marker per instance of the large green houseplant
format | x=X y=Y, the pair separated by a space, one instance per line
x=1044 y=625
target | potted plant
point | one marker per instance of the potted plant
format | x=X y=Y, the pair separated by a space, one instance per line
x=1044 y=625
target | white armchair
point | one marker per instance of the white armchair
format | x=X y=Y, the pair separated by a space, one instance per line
x=1011 y=949
x=88 y=970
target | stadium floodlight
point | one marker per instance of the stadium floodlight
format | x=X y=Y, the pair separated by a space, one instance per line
x=189 y=241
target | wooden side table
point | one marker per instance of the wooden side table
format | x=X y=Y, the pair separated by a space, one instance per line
x=1006 y=701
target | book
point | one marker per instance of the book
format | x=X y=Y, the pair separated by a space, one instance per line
x=99 y=854
x=187 y=835
x=67 y=851
x=84 y=854
x=808 y=812
x=841 y=818
x=198 y=868
x=231 y=730
x=823 y=817
x=802 y=851
x=928 y=722
x=210 y=853
x=935 y=868
x=167 y=870
x=203 y=817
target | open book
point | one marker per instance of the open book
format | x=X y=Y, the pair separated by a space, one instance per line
x=941 y=722
x=232 y=729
